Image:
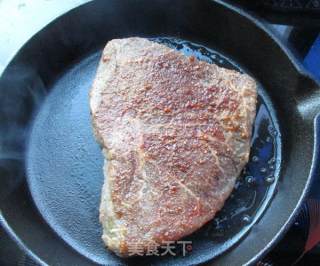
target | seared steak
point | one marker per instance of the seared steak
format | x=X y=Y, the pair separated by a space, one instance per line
x=175 y=133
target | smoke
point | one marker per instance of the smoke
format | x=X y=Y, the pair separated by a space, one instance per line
x=21 y=92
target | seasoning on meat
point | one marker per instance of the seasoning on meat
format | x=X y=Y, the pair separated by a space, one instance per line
x=175 y=133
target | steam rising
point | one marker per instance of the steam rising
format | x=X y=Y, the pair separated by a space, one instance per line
x=21 y=92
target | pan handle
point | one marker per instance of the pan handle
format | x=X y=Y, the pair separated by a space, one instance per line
x=295 y=13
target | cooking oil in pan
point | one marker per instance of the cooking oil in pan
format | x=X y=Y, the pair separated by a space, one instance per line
x=255 y=186
x=64 y=170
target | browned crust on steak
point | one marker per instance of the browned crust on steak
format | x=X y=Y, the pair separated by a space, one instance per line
x=176 y=134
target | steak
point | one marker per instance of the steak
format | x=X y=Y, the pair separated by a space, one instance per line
x=175 y=133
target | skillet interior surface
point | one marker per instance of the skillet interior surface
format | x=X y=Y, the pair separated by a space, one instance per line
x=64 y=169
x=48 y=140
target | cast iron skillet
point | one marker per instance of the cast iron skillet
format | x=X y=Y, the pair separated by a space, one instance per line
x=51 y=167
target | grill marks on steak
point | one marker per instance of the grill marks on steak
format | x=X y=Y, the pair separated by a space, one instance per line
x=176 y=132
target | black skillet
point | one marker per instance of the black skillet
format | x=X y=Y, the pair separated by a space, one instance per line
x=51 y=167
